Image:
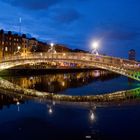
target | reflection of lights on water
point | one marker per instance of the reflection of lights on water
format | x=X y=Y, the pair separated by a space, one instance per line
x=88 y=137
x=18 y=103
x=53 y=102
x=92 y=116
x=50 y=110
x=63 y=83
x=31 y=78
x=65 y=76
x=96 y=74
x=49 y=83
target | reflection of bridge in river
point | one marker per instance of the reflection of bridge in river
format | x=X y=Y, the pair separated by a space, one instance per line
x=59 y=82
x=116 y=96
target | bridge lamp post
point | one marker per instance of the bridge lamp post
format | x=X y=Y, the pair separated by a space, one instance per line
x=52 y=49
x=18 y=48
x=52 y=44
x=95 y=46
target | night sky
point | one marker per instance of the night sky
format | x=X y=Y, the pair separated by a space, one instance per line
x=114 y=23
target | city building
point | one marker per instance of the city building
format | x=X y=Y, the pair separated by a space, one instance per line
x=25 y=45
x=132 y=54
x=42 y=46
x=10 y=44
x=61 y=48
x=14 y=44
x=33 y=45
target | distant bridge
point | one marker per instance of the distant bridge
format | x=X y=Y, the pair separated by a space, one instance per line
x=124 y=67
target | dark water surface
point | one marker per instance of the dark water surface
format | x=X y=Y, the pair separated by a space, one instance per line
x=28 y=119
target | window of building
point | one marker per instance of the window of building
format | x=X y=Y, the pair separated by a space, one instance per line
x=6 y=49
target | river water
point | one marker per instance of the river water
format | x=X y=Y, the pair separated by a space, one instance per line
x=27 y=118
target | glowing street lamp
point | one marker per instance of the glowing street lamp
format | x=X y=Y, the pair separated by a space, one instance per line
x=95 y=46
x=52 y=48
x=18 y=48
x=52 y=44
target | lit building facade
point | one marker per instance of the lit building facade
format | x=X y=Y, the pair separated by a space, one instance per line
x=10 y=44
x=14 y=44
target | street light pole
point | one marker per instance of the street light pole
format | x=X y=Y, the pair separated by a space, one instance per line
x=95 y=46
x=52 y=49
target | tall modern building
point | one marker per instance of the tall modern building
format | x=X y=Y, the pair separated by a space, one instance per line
x=132 y=54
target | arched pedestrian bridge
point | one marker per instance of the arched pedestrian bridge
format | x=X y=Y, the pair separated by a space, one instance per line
x=124 y=67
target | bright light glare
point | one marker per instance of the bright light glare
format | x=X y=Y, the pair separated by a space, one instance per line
x=52 y=44
x=19 y=47
x=95 y=45
x=18 y=103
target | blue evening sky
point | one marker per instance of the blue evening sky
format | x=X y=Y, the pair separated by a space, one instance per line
x=114 y=23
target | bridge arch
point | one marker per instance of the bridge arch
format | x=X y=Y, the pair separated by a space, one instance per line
x=116 y=65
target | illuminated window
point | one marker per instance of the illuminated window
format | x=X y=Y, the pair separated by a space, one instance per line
x=6 y=49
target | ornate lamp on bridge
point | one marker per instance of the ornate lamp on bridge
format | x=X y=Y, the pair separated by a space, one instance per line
x=95 y=46
x=18 y=48
x=52 y=48
x=18 y=51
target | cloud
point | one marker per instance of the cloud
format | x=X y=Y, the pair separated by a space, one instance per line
x=32 y=4
x=128 y=35
x=66 y=15
x=117 y=32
